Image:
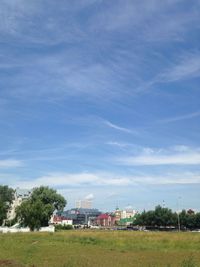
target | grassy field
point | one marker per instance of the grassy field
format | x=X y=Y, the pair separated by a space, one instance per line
x=100 y=248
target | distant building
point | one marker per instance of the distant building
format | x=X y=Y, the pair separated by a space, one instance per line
x=190 y=211
x=83 y=204
x=117 y=214
x=124 y=217
x=62 y=220
x=81 y=216
x=128 y=213
x=19 y=196
x=124 y=214
x=106 y=220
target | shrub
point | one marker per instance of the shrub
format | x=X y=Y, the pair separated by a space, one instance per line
x=60 y=227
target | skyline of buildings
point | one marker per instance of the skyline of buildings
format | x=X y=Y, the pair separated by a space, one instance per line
x=21 y=194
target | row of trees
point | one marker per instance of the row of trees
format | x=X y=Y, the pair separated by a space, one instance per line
x=36 y=211
x=163 y=217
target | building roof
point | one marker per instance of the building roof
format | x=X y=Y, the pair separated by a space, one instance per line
x=104 y=216
x=57 y=218
x=82 y=211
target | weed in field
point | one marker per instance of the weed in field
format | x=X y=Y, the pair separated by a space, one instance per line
x=85 y=240
x=89 y=240
x=189 y=262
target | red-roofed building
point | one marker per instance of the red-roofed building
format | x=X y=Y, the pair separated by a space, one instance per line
x=106 y=220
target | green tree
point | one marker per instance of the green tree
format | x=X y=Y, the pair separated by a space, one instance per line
x=164 y=217
x=197 y=221
x=156 y=218
x=6 y=198
x=38 y=209
x=183 y=216
x=189 y=219
x=150 y=218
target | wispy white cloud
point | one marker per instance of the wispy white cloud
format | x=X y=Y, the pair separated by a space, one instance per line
x=102 y=180
x=70 y=72
x=192 y=159
x=181 y=117
x=50 y=152
x=10 y=163
x=64 y=74
x=187 y=67
x=154 y=20
x=172 y=179
x=117 y=127
x=117 y=144
x=73 y=180
x=20 y=20
x=182 y=148
x=184 y=66
x=163 y=157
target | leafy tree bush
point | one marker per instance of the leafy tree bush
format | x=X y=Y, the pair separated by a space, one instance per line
x=197 y=220
x=189 y=220
x=37 y=210
x=6 y=199
x=160 y=217
x=164 y=217
x=60 y=227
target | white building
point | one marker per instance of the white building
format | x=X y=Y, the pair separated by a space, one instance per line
x=55 y=219
x=83 y=204
x=127 y=213
x=19 y=196
x=124 y=214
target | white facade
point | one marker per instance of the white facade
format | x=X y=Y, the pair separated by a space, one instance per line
x=19 y=196
x=67 y=222
x=127 y=213
x=83 y=204
x=60 y=220
x=17 y=229
x=124 y=214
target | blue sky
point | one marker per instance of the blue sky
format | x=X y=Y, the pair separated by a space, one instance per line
x=101 y=100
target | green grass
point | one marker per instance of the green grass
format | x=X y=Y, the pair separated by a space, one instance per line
x=100 y=248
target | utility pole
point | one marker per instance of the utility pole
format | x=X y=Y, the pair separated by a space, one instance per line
x=179 y=225
x=178 y=217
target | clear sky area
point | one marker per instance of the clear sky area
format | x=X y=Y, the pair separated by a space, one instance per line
x=101 y=100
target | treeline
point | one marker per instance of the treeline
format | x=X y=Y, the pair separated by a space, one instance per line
x=35 y=211
x=165 y=218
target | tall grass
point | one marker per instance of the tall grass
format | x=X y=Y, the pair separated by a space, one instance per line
x=189 y=262
x=101 y=249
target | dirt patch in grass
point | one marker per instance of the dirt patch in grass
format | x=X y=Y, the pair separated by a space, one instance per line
x=9 y=263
